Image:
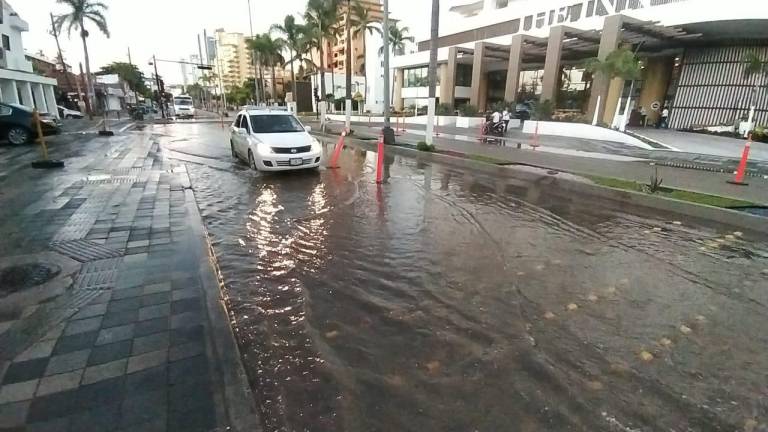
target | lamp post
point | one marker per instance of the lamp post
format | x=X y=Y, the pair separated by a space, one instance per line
x=387 y=132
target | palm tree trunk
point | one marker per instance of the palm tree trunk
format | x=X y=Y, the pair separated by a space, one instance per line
x=274 y=84
x=432 y=74
x=293 y=77
x=322 y=73
x=365 y=74
x=88 y=84
x=261 y=83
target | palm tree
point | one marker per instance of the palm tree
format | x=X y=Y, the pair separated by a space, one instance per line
x=432 y=74
x=291 y=38
x=753 y=65
x=398 y=36
x=80 y=12
x=320 y=17
x=362 y=22
x=619 y=63
x=274 y=57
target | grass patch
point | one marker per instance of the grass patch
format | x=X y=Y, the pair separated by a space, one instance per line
x=487 y=159
x=695 y=197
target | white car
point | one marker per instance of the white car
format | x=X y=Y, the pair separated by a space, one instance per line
x=69 y=114
x=272 y=140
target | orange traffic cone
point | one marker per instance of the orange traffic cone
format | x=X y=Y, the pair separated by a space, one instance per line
x=380 y=160
x=337 y=151
x=739 y=177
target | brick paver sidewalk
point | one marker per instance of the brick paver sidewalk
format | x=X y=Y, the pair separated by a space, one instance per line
x=130 y=345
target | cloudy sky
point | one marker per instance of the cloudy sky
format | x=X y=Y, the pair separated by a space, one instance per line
x=168 y=28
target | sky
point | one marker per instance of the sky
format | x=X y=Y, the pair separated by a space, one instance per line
x=169 y=28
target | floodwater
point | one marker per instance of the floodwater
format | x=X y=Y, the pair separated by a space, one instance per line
x=449 y=301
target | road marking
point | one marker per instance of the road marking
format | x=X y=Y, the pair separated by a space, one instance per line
x=129 y=125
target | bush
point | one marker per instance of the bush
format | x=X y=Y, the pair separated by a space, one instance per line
x=423 y=146
x=543 y=110
x=468 y=110
x=444 y=109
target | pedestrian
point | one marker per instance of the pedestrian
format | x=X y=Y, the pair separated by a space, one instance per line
x=665 y=118
x=505 y=118
x=496 y=117
x=643 y=116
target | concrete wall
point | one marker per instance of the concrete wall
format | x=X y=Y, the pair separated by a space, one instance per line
x=656 y=80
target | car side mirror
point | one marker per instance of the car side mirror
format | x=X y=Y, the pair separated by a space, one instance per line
x=242 y=131
x=308 y=128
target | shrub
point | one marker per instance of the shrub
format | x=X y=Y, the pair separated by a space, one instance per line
x=444 y=109
x=543 y=110
x=468 y=110
x=423 y=146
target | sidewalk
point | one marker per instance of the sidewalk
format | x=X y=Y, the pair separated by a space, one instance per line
x=640 y=171
x=125 y=330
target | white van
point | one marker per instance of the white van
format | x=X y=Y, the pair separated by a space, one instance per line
x=183 y=107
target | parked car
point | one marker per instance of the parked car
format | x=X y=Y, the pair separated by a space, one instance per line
x=523 y=111
x=272 y=140
x=17 y=127
x=67 y=113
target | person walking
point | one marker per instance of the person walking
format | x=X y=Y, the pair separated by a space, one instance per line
x=643 y=116
x=505 y=119
x=665 y=118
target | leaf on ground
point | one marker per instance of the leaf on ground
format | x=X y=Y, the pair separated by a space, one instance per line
x=549 y=315
x=684 y=329
x=646 y=356
x=572 y=306
x=665 y=342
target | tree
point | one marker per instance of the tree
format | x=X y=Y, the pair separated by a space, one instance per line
x=319 y=18
x=80 y=12
x=619 y=63
x=195 y=90
x=292 y=34
x=268 y=54
x=363 y=22
x=128 y=73
x=753 y=66
x=398 y=36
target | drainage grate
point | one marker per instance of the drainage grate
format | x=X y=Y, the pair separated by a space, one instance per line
x=98 y=275
x=24 y=276
x=84 y=250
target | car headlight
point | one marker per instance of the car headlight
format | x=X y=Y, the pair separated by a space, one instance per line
x=316 y=147
x=263 y=148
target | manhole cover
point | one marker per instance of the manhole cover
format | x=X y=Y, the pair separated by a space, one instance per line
x=23 y=276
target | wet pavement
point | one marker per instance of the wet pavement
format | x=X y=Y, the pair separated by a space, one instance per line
x=445 y=300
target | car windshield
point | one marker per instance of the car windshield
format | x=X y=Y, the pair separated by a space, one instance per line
x=182 y=102
x=275 y=124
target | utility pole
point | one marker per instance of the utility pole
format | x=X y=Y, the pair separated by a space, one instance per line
x=432 y=71
x=389 y=134
x=160 y=95
x=87 y=99
x=349 y=69
x=200 y=53
x=61 y=57
x=208 y=96
x=253 y=62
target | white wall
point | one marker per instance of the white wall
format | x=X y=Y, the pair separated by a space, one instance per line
x=13 y=26
x=374 y=97
x=580 y=130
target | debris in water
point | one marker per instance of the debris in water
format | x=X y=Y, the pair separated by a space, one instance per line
x=657 y=229
x=594 y=385
x=665 y=342
x=610 y=290
x=719 y=240
x=750 y=425
x=433 y=367
x=730 y=237
x=684 y=329
x=646 y=356
x=332 y=334
x=647 y=232
x=572 y=306
x=592 y=297
x=701 y=318
x=677 y=222
x=521 y=273
x=557 y=262
x=549 y=315
x=738 y=233
x=765 y=272
x=540 y=267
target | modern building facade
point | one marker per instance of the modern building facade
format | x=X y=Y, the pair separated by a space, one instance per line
x=18 y=83
x=692 y=53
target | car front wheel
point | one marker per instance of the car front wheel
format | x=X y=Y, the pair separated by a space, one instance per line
x=18 y=135
x=252 y=161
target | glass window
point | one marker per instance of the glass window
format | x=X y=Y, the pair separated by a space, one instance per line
x=6 y=42
x=4 y=110
x=237 y=121
x=464 y=75
x=275 y=124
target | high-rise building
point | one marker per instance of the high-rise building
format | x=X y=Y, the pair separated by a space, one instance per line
x=336 y=50
x=233 y=57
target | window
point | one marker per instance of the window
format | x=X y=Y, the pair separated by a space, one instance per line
x=4 y=110
x=6 y=42
x=418 y=77
x=464 y=75
x=275 y=124
x=237 y=121
x=502 y=4
x=244 y=124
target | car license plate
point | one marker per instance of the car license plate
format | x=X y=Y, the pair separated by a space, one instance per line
x=296 y=161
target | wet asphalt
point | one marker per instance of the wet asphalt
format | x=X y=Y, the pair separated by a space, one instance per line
x=445 y=300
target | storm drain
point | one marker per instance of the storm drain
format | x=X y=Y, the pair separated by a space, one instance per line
x=84 y=250
x=97 y=275
x=23 y=276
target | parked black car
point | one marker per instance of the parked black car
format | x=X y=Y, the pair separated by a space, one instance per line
x=16 y=124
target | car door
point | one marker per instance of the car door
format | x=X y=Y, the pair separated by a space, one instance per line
x=5 y=120
x=236 y=137
x=246 y=124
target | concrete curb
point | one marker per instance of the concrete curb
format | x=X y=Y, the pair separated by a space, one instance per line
x=237 y=398
x=755 y=224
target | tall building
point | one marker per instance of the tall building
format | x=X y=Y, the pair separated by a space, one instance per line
x=233 y=58
x=516 y=50
x=18 y=82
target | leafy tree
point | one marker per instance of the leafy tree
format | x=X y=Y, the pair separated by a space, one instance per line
x=363 y=22
x=753 y=65
x=128 y=73
x=268 y=54
x=620 y=63
x=79 y=12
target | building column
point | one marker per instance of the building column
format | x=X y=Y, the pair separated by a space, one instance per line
x=657 y=73
x=478 y=75
x=50 y=98
x=609 y=41
x=39 y=98
x=10 y=94
x=513 y=69
x=551 y=76
x=26 y=94
x=448 y=80
x=398 y=87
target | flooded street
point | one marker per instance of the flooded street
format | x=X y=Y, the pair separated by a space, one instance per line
x=445 y=300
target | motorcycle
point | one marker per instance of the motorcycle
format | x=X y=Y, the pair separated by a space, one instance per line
x=493 y=132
